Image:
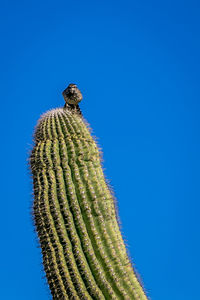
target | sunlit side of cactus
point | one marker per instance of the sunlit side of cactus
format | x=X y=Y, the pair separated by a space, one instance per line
x=84 y=255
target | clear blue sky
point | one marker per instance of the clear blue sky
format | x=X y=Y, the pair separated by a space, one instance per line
x=137 y=64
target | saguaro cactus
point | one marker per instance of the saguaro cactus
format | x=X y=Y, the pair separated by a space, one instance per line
x=84 y=255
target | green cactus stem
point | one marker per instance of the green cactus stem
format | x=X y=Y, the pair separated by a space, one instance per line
x=84 y=255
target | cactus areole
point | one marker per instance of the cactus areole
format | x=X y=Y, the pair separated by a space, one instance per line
x=84 y=255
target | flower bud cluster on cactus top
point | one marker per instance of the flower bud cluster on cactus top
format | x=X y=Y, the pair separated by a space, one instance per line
x=84 y=255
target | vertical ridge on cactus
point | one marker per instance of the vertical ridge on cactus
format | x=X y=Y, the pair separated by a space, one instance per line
x=84 y=255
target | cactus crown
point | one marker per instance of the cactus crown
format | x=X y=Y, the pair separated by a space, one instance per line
x=84 y=255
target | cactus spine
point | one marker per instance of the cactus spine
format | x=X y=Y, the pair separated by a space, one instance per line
x=84 y=255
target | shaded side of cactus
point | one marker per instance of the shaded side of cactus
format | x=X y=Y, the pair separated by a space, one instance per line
x=84 y=255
